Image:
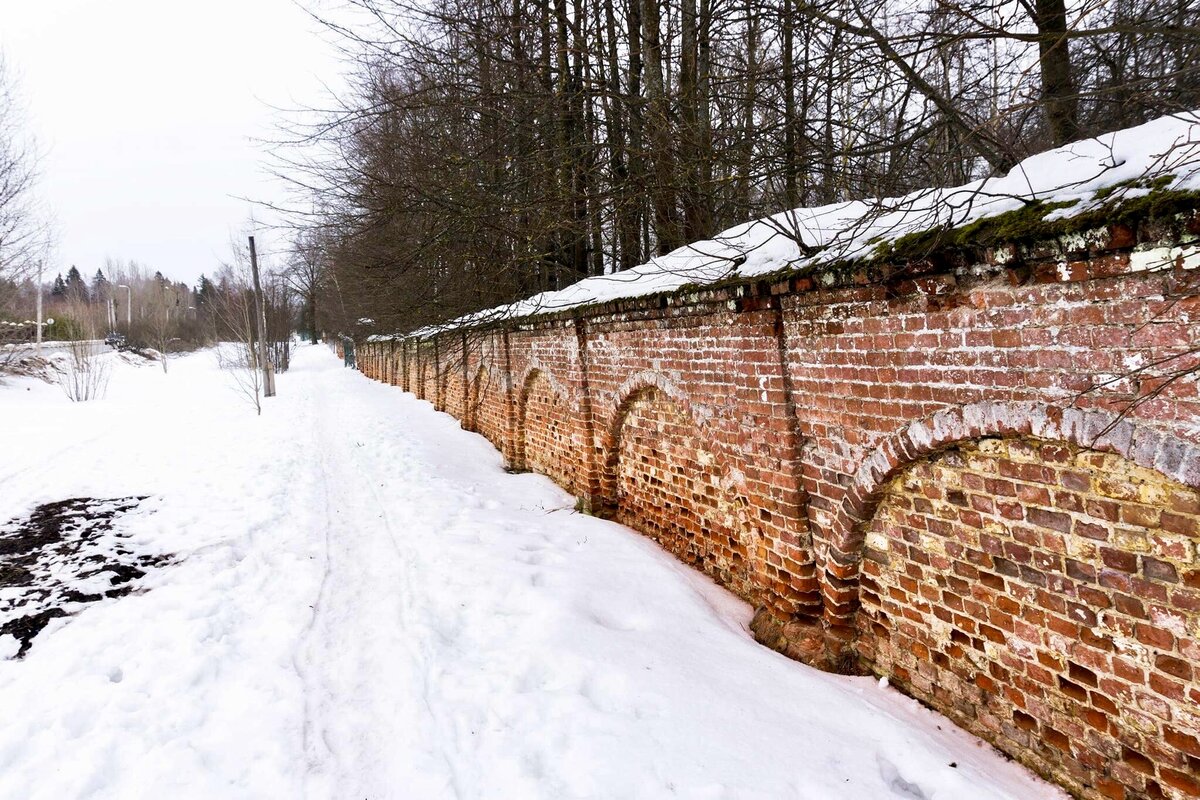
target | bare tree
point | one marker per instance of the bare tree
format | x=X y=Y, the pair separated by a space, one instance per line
x=156 y=319
x=306 y=275
x=24 y=232
x=489 y=152
x=234 y=309
x=280 y=320
x=84 y=373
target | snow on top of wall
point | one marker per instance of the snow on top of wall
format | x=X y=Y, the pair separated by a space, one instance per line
x=805 y=238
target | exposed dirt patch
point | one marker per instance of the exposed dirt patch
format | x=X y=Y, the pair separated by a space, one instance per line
x=62 y=556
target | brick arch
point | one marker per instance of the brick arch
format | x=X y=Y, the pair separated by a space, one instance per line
x=695 y=505
x=533 y=373
x=552 y=437
x=1043 y=595
x=485 y=413
x=647 y=380
x=1093 y=429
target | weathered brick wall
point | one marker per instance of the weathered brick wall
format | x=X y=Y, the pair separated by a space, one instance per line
x=453 y=381
x=978 y=478
x=545 y=443
x=550 y=433
x=396 y=365
x=1038 y=593
x=490 y=392
x=717 y=361
x=670 y=485
x=428 y=362
x=883 y=363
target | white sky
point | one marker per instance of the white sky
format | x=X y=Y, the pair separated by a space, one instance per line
x=147 y=111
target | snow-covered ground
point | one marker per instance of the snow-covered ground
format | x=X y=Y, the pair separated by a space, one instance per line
x=363 y=604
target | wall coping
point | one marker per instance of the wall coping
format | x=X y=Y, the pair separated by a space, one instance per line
x=898 y=276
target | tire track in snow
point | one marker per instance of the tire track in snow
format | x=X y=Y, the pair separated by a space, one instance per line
x=421 y=651
x=314 y=423
x=356 y=578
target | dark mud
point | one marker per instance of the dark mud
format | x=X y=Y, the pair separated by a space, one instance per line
x=62 y=556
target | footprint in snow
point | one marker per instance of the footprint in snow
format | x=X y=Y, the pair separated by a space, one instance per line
x=896 y=782
x=616 y=621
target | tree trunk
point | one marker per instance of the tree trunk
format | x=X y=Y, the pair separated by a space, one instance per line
x=1054 y=59
x=692 y=152
x=658 y=124
x=636 y=221
x=791 y=196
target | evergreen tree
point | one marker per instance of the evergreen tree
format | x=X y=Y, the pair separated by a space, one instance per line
x=205 y=292
x=76 y=287
x=100 y=285
x=60 y=287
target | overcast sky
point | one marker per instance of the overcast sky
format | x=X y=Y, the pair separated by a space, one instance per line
x=147 y=111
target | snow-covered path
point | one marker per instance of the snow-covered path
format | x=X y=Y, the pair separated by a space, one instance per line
x=365 y=605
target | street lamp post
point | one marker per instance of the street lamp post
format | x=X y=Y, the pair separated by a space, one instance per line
x=128 y=304
x=39 y=308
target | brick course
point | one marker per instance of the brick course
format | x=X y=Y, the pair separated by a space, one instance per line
x=975 y=474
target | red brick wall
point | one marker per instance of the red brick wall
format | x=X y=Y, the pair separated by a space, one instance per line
x=723 y=368
x=427 y=372
x=489 y=396
x=969 y=430
x=670 y=485
x=1037 y=593
x=487 y=404
x=545 y=427
x=452 y=384
x=867 y=367
x=549 y=428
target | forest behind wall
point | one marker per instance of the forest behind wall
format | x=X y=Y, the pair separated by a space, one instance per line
x=493 y=150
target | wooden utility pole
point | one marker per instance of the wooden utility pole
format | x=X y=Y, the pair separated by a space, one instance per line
x=39 y=309
x=268 y=371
